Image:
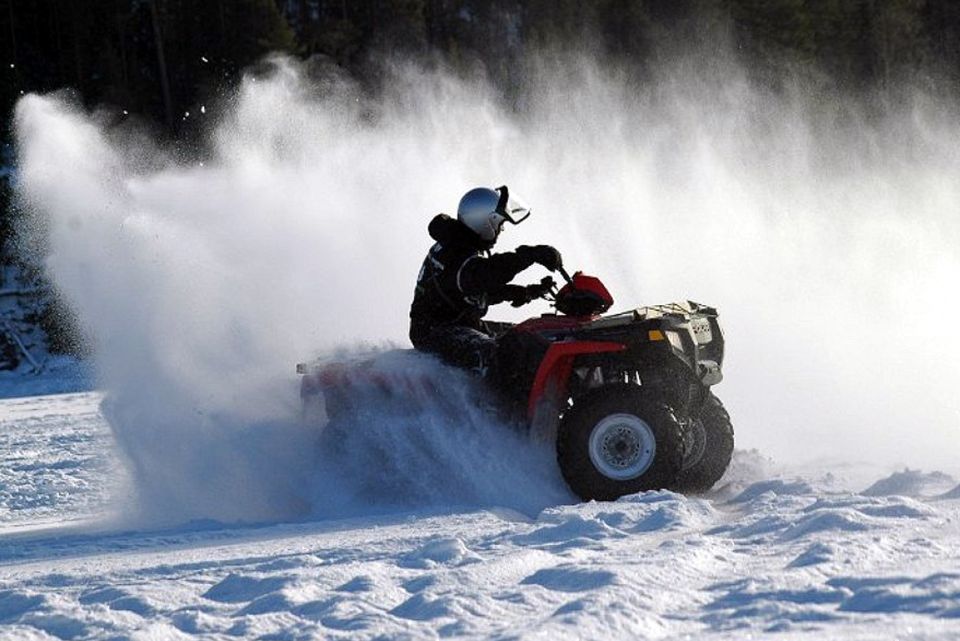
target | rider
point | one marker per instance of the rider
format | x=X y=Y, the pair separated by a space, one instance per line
x=460 y=278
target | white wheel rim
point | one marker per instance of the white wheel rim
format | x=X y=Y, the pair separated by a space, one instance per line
x=622 y=446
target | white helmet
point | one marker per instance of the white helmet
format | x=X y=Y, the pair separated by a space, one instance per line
x=485 y=211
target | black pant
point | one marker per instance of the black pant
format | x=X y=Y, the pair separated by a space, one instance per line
x=457 y=345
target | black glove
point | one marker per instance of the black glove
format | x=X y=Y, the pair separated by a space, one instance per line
x=530 y=292
x=542 y=255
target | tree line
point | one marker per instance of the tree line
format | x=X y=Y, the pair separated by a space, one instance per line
x=166 y=58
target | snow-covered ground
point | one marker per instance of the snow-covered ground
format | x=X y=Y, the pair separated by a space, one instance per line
x=807 y=553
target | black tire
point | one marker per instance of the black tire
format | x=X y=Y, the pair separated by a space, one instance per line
x=599 y=410
x=710 y=437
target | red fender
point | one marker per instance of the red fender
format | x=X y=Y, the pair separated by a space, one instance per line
x=557 y=363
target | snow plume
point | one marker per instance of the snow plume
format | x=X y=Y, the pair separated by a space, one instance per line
x=826 y=237
x=424 y=449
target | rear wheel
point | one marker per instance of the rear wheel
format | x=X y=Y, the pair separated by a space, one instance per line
x=616 y=441
x=709 y=447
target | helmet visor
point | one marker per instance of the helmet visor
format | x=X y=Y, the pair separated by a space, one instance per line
x=514 y=209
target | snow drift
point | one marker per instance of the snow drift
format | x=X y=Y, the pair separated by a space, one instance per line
x=806 y=555
x=826 y=238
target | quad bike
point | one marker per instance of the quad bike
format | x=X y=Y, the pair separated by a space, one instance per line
x=626 y=398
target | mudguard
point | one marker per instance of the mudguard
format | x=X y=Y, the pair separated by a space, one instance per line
x=553 y=375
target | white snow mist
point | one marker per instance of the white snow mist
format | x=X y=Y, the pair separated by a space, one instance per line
x=828 y=242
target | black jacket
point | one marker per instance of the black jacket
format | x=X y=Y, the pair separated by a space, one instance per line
x=457 y=281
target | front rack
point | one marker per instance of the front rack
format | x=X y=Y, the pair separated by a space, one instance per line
x=684 y=309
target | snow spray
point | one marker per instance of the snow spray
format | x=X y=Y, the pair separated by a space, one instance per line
x=827 y=239
x=424 y=449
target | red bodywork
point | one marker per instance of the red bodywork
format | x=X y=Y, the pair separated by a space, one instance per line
x=553 y=374
x=587 y=284
x=584 y=294
x=554 y=371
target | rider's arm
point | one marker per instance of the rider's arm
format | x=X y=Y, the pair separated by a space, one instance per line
x=483 y=275
x=506 y=293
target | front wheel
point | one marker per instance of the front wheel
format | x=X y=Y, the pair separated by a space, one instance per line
x=709 y=439
x=618 y=441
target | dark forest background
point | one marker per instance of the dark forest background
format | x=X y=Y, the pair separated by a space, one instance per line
x=161 y=61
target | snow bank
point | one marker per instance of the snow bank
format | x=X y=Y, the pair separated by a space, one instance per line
x=60 y=375
x=912 y=483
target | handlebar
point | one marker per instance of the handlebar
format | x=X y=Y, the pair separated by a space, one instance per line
x=550 y=286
